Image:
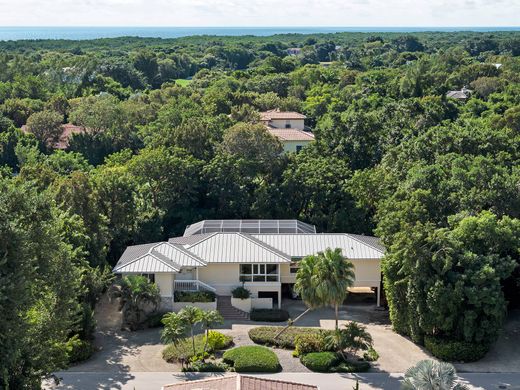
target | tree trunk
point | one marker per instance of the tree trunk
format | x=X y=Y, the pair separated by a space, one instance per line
x=205 y=345
x=193 y=342
x=336 y=308
x=291 y=323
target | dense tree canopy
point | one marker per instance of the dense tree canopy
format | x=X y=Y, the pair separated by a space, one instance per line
x=171 y=136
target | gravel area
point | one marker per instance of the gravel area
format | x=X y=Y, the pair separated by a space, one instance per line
x=241 y=337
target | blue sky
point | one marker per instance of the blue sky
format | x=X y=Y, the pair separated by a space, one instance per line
x=259 y=12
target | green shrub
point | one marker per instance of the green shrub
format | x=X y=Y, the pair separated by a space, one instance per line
x=320 y=361
x=269 y=315
x=252 y=359
x=78 y=350
x=265 y=335
x=371 y=355
x=217 y=340
x=184 y=349
x=451 y=350
x=241 y=293
x=207 y=367
x=154 y=320
x=194 y=296
x=309 y=342
x=351 y=367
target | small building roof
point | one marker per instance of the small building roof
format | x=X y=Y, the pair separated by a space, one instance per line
x=236 y=248
x=291 y=134
x=239 y=382
x=277 y=114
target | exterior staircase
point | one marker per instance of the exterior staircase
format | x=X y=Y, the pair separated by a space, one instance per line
x=228 y=311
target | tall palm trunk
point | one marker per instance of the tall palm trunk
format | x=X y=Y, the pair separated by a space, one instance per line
x=290 y=323
x=336 y=310
x=193 y=341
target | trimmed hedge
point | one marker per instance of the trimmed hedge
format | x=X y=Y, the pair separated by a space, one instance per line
x=194 y=296
x=459 y=351
x=320 y=361
x=252 y=359
x=312 y=342
x=331 y=362
x=207 y=367
x=269 y=315
x=184 y=349
x=371 y=355
x=79 y=350
x=265 y=335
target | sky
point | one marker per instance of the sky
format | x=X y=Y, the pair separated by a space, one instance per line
x=227 y=13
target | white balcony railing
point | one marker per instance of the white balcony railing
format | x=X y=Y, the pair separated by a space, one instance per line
x=192 y=285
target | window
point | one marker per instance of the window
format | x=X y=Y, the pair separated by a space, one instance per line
x=287 y=124
x=258 y=272
x=150 y=277
x=293 y=268
x=298 y=148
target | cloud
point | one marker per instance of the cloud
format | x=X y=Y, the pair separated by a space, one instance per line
x=260 y=12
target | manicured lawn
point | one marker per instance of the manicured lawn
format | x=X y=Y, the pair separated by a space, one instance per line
x=183 y=82
x=252 y=358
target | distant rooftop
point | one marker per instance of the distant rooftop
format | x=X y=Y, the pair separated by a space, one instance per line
x=258 y=226
x=291 y=134
x=277 y=114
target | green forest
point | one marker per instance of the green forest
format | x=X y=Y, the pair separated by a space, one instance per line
x=171 y=138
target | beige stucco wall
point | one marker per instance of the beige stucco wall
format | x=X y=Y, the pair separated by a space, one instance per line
x=165 y=283
x=368 y=273
x=225 y=277
x=295 y=123
x=290 y=146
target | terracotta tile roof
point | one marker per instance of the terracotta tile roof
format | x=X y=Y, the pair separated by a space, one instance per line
x=291 y=134
x=68 y=130
x=239 y=382
x=277 y=114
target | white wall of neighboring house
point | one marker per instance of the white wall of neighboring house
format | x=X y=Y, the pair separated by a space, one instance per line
x=295 y=123
x=291 y=146
x=165 y=283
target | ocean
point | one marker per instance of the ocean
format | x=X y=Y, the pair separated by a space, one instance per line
x=18 y=33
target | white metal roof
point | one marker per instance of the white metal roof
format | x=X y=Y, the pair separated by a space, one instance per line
x=249 y=226
x=155 y=258
x=236 y=248
x=301 y=245
x=144 y=265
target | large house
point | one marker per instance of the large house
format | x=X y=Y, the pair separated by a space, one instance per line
x=262 y=255
x=289 y=127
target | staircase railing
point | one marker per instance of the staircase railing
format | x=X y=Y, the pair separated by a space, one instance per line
x=192 y=285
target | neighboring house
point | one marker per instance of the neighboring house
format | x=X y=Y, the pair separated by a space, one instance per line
x=294 y=51
x=289 y=127
x=463 y=95
x=68 y=130
x=239 y=382
x=263 y=255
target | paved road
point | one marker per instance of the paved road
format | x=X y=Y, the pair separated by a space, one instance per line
x=368 y=381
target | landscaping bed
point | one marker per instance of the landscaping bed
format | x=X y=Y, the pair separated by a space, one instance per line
x=252 y=358
x=331 y=362
x=194 y=296
x=183 y=350
x=265 y=335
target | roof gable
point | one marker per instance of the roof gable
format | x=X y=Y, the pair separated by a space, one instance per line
x=236 y=248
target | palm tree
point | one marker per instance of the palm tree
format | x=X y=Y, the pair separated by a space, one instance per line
x=305 y=287
x=135 y=291
x=333 y=275
x=209 y=319
x=353 y=338
x=174 y=330
x=191 y=315
x=431 y=375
